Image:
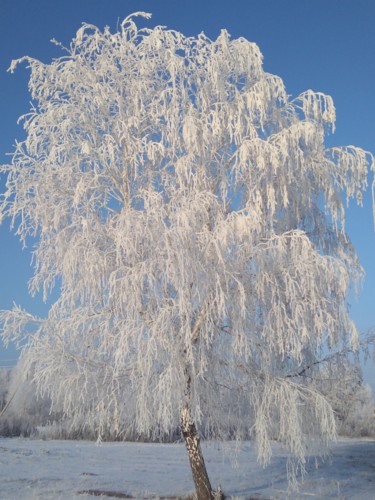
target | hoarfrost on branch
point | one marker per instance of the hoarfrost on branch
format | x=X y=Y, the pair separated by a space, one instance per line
x=193 y=218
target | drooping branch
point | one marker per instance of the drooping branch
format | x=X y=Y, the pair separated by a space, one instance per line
x=174 y=187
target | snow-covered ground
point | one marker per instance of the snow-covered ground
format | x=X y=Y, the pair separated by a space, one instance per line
x=33 y=469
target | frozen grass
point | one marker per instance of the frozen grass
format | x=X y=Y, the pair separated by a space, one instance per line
x=81 y=470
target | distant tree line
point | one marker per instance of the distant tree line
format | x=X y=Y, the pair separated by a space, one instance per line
x=25 y=412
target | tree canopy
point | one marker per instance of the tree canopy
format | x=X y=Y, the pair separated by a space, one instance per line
x=193 y=220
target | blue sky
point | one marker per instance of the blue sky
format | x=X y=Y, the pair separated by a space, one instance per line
x=325 y=45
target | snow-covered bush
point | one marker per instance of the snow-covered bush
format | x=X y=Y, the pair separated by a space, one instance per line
x=4 y=386
x=358 y=420
x=341 y=383
x=23 y=409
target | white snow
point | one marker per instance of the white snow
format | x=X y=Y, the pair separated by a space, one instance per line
x=37 y=469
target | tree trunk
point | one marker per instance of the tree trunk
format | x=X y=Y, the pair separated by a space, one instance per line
x=198 y=468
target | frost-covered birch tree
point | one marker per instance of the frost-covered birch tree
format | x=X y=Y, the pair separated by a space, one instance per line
x=191 y=218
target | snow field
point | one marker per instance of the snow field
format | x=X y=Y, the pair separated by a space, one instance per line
x=56 y=470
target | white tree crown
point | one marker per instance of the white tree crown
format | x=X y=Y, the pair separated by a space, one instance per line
x=194 y=218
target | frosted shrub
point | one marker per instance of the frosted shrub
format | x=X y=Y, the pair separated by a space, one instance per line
x=4 y=386
x=23 y=410
x=359 y=419
x=341 y=383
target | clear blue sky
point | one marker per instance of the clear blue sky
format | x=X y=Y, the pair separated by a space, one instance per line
x=325 y=45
